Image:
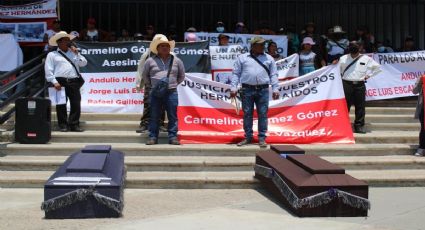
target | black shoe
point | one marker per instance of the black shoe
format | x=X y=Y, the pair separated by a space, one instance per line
x=163 y=129
x=76 y=129
x=360 y=129
x=174 y=142
x=152 y=141
x=262 y=144
x=63 y=128
x=142 y=129
x=244 y=142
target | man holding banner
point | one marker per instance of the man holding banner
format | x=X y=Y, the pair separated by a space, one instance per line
x=255 y=71
x=355 y=70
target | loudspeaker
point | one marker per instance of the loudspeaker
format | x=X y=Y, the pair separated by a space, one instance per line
x=33 y=120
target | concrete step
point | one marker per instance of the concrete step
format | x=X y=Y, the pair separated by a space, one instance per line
x=222 y=180
x=133 y=137
x=133 y=125
x=223 y=150
x=208 y=163
x=137 y=163
x=376 y=126
x=397 y=115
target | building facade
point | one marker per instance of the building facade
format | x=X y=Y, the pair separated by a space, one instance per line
x=391 y=20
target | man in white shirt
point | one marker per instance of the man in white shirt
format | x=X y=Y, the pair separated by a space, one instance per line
x=355 y=70
x=60 y=72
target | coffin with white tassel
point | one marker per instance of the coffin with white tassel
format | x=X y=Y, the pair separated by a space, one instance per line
x=89 y=184
x=310 y=186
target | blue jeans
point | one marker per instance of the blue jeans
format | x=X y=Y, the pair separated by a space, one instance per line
x=170 y=102
x=259 y=97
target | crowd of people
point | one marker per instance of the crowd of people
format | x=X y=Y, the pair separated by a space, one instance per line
x=160 y=72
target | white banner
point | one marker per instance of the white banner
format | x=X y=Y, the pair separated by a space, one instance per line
x=111 y=93
x=224 y=57
x=288 y=68
x=244 y=39
x=398 y=76
x=42 y=9
x=222 y=60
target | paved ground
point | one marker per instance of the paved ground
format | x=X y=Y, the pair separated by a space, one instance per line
x=392 y=208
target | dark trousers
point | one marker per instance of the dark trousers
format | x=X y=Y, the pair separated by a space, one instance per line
x=170 y=101
x=144 y=121
x=259 y=97
x=422 y=132
x=72 y=91
x=355 y=94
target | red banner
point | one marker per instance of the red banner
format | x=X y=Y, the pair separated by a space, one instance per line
x=311 y=109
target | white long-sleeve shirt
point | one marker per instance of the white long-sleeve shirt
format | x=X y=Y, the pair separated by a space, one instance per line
x=57 y=66
x=365 y=66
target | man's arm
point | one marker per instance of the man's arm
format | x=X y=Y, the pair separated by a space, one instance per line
x=236 y=74
x=49 y=69
x=145 y=73
x=373 y=68
x=80 y=60
x=181 y=72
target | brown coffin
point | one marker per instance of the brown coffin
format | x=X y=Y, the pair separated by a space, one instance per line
x=287 y=149
x=305 y=179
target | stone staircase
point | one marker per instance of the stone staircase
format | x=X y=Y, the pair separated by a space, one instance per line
x=382 y=157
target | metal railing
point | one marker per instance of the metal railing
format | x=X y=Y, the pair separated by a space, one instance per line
x=29 y=82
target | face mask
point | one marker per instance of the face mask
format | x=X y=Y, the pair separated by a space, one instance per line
x=220 y=29
x=381 y=49
x=353 y=49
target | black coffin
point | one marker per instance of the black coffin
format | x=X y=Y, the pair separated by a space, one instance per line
x=89 y=184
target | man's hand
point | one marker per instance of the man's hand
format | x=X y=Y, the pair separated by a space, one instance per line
x=275 y=95
x=74 y=49
x=233 y=94
x=57 y=86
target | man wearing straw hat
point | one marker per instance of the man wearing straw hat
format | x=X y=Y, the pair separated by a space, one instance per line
x=140 y=85
x=255 y=71
x=62 y=70
x=160 y=68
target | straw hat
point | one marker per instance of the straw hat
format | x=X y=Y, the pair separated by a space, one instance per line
x=257 y=40
x=157 y=40
x=53 y=41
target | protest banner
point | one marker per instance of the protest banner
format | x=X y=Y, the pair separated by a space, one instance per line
x=398 y=76
x=307 y=111
x=244 y=39
x=110 y=74
x=28 y=23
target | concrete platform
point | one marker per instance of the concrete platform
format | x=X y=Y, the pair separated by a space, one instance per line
x=392 y=209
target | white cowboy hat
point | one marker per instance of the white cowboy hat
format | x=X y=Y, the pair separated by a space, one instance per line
x=53 y=41
x=160 y=40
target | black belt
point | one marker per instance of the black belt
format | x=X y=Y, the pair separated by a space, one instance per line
x=67 y=79
x=255 y=86
x=354 y=82
x=172 y=90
